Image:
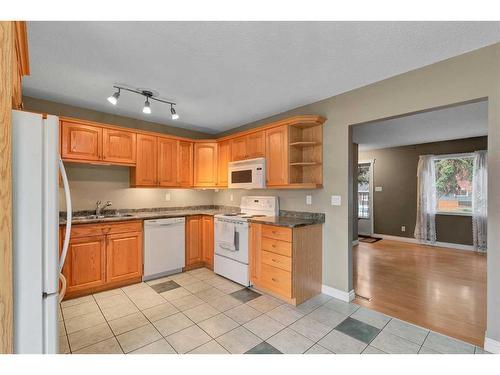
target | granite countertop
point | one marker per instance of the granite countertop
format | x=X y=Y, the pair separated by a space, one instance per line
x=284 y=221
x=290 y=219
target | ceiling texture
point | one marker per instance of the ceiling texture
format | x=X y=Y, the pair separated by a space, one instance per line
x=226 y=74
x=462 y=121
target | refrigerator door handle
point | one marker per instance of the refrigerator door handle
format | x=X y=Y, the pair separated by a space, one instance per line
x=69 y=213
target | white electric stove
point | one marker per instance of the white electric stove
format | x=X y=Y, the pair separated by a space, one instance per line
x=231 y=256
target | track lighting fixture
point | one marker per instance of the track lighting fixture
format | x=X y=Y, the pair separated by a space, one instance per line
x=113 y=99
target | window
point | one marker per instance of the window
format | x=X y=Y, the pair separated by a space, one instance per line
x=454 y=183
x=363 y=191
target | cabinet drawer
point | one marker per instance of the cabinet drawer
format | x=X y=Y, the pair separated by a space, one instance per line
x=276 y=246
x=277 y=233
x=277 y=280
x=86 y=230
x=275 y=260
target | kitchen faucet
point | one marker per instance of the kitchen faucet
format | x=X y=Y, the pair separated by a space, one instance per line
x=99 y=207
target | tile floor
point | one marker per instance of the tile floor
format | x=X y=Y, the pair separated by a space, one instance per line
x=200 y=312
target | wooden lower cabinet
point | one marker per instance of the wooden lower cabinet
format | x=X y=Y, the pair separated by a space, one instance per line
x=199 y=241
x=102 y=256
x=286 y=262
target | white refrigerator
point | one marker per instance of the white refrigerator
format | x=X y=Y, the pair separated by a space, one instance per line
x=36 y=260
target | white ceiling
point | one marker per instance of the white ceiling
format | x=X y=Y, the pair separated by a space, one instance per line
x=463 y=121
x=226 y=74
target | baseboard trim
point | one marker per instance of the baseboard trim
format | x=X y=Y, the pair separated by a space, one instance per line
x=355 y=243
x=491 y=345
x=447 y=245
x=337 y=293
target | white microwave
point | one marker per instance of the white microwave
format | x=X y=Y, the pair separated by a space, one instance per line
x=247 y=174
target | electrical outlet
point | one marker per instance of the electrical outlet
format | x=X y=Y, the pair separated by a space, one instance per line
x=336 y=200
x=378 y=188
x=403 y=228
x=167 y=197
x=308 y=199
x=231 y=197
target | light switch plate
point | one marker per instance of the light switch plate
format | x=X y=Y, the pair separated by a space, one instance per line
x=231 y=197
x=336 y=200
x=378 y=188
x=403 y=228
x=167 y=197
x=308 y=199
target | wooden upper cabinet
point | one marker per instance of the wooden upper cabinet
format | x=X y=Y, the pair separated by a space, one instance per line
x=145 y=172
x=118 y=146
x=256 y=145
x=224 y=156
x=167 y=162
x=205 y=164
x=185 y=164
x=124 y=256
x=85 y=265
x=193 y=240
x=277 y=156
x=238 y=148
x=81 y=142
x=207 y=244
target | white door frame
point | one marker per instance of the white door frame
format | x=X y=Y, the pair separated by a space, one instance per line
x=370 y=190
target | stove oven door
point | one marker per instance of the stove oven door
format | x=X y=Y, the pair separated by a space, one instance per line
x=240 y=254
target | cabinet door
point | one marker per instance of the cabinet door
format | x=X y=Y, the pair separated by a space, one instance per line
x=277 y=156
x=167 y=162
x=255 y=254
x=124 y=256
x=118 y=146
x=224 y=156
x=85 y=266
x=81 y=142
x=238 y=148
x=145 y=172
x=255 y=145
x=207 y=239
x=185 y=164
x=193 y=240
x=205 y=164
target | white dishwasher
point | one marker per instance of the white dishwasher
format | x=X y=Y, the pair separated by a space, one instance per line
x=164 y=247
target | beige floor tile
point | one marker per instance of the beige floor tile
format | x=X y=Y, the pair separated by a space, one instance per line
x=224 y=303
x=239 y=340
x=138 y=338
x=61 y=329
x=118 y=311
x=186 y=280
x=178 y=276
x=188 y=339
x=187 y=302
x=204 y=274
x=215 y=280
x=242 y=313
x=146 y=300
x=89 y=336
x=371 y=317
x=211 y=347
x=228 y=287
x=128 y=323
x=160 y=311
x=76 y=301
x=197 y=287
x=80 y=309
x=172 y=295
x=264 y=326
x=84 y=321
x=327 y=316
x=201 y=312
x=130 y=288
x=318 y=349
x=218 y=325
x=340 y=343
x=372 y=350
x=158 y=281
x=109 y=346
x=173 y=323
x=63 y=345
x=313 y=303
x=285 y=314
x=108 y=293
x=209 y=294
x=264 y=303
x=310 y=328
x=157 y=347
x=112 y=301
x=59 y=315
x=290 y=342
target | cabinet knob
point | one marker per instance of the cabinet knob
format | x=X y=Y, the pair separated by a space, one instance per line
x=273 y=279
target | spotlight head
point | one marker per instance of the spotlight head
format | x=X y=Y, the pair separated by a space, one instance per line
x=147 y=107
x=113 y=99
x=175 y=116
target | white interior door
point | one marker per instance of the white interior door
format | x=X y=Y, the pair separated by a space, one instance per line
x=365 y=198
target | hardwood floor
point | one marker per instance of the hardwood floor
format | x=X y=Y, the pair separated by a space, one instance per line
x=436 y=288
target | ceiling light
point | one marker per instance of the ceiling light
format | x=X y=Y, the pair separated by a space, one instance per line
x=147 y=107
x=113 y=99
x=175 y=116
